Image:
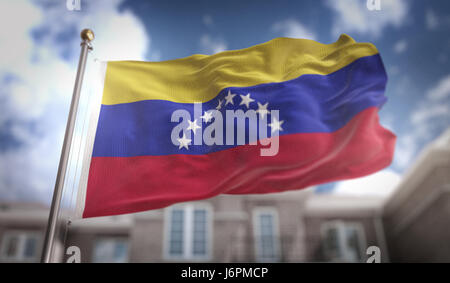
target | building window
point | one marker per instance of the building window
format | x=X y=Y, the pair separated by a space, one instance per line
x=188 y=231
x=343 y=241
x=176 y=232
x=114 y=250
x=199 y=232
x=20 y=246
x=266 y=233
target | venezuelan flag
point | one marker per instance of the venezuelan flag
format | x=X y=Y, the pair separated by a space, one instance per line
x=327 y=127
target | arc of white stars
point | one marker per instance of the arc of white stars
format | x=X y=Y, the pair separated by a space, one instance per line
x=229 y=98
x=184 y=142
x=276 y=125
x=207 y=116
x=246 y=99
x=219 y=106
x=262 y=109
x=193 y=126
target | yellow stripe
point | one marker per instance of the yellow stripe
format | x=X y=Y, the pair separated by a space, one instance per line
x=199 y=78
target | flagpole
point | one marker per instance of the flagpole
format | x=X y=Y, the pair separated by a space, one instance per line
x=87 y=36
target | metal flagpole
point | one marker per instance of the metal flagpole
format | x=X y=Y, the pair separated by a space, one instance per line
x=87 y=36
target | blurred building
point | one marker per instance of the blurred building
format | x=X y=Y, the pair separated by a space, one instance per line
x=417 y=216
x=298 y=226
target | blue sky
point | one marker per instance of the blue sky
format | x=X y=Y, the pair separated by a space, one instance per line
x=41 y=45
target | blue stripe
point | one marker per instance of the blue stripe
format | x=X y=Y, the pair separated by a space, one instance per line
x=307 y=104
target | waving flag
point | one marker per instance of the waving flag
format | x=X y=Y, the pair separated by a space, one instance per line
x=278 y=116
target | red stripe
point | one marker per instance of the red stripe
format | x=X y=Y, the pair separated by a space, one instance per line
x=119 y=185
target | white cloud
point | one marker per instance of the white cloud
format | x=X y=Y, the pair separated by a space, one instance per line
x=431 y=20
x=380 y=184
x=119 y=35
x=353 y=16
x=435 y=108
x=36 y=95
x=400 y=46
x=441 y=91
x=405 y=149
x=16 y=45
x=211 y=45
x=430 y=115
x=428 y=112
x=294 y=29
x=208 y=21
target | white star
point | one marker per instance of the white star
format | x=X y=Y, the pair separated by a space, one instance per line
x=207 y=116
x=276 y=125
x=262 y=109
x=246 y=100
x=229 y=98
x=193 y=126
x=219 y=105
x=184 y=142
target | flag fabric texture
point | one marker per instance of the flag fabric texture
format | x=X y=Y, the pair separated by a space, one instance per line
x=327 y=95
